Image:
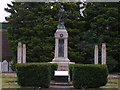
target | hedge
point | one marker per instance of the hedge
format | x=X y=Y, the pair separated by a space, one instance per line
x=70 y=70
x=53 y=68
x=89 y=75
x=34 y=74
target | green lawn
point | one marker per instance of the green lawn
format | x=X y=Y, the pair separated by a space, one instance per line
x=114 y=82
x=8 y=71
x=0 y=80
x=6 y=82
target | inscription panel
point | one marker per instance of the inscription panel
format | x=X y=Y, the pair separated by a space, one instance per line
x=61 y=48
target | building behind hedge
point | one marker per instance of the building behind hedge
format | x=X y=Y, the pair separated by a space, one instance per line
x=5 y=51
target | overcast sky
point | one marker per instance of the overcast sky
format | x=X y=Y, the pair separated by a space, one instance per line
x=3 y=13
x=3 y=5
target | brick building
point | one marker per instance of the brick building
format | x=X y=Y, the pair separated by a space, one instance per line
x=5 y=51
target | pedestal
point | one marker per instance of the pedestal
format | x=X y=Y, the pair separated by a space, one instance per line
x=61 y=53
x=63 y=66
x=61 y=50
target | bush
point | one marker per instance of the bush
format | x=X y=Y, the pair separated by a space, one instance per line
x=89 y=75
x=34 y=74
x=53 y=68
x=70 y=70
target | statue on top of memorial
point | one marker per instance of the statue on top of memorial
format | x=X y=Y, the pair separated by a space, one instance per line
x=62 y=17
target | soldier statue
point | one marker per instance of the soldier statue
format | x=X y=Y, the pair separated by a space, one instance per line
x=62 y=16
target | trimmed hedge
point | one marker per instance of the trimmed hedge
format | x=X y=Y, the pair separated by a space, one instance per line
x=89 y=75
x=53 y=68
x=34 y=74
x=70 y=70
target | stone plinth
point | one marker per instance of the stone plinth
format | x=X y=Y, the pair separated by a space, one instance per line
x=63 y=66
x=61 y=76
x=61 y=59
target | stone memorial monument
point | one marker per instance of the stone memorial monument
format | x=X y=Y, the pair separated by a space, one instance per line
x=61 y=44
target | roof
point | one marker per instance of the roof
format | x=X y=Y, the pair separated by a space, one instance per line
x=4 y=25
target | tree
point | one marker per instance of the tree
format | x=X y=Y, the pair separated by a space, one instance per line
x=36 y=23
x=103 y=28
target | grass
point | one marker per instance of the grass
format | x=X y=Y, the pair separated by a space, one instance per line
x=0 y=80
x=6 y=82
x=8 y=71
x=113 y=82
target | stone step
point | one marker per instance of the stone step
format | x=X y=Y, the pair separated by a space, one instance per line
x=58 y=88
x=60 y=83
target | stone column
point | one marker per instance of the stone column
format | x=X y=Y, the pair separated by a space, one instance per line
x=19 y=53
x=96 y=54
x=65 y=48
x=103 y=53
x=24 y=53
x=56 y=47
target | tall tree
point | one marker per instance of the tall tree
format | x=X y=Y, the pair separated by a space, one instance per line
x=102 y=27
x=36 y=23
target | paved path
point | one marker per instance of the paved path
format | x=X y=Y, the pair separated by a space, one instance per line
x=113 y=75
x=8 y=74
x=14 y=74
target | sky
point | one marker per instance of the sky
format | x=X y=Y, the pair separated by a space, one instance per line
x=3 y=13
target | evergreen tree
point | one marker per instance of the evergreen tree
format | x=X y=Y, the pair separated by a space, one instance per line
x=36 y=23
x=102 y=26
